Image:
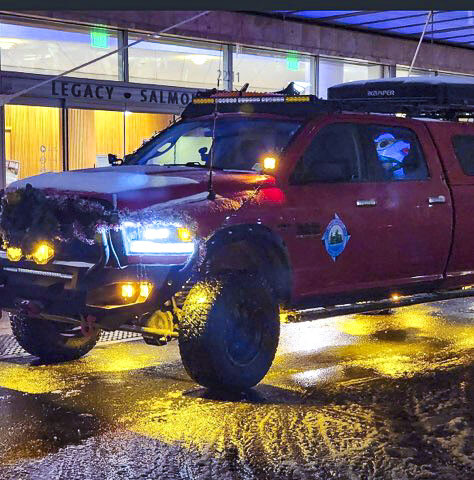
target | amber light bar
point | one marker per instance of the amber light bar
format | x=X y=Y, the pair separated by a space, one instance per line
x=253 y=99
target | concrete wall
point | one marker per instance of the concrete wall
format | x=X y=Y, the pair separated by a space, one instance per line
x=260 y=30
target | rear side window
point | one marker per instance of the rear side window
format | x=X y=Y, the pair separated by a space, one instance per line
x=332 y=157
x=464 y=149
x=393 y=153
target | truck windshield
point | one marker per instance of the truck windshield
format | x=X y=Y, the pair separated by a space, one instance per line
x=239 y=143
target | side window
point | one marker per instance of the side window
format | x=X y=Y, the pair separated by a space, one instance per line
x=464 y=149
x=393 y=153
x=332 y=156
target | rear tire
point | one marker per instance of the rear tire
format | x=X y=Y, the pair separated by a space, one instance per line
x=229 y=331
x=51 y=341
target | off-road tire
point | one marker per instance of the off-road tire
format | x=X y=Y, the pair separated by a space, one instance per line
x=51 y=341
x=229 y=331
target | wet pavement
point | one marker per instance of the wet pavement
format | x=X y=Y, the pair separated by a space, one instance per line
x=350 y=397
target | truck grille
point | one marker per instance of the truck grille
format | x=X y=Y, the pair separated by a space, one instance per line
x=75 y=250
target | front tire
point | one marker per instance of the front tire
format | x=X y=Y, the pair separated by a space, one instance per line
x=51 y=341
x=229 y=331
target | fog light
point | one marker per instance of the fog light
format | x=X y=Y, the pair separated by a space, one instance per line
x=43 y=253
x=184 y=234
x=145 y=290
x=14 y=254
x=128 y=290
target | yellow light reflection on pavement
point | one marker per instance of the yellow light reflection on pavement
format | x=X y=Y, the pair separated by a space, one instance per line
x=121 y=357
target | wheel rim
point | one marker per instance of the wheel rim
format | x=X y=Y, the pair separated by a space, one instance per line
x=244 y=333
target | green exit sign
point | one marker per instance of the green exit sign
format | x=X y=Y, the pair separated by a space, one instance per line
x=99 y=38
x=292 y=62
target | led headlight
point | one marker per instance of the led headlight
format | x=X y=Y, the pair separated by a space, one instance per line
x=157 y=239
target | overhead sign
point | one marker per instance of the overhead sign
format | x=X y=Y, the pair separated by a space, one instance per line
x=81 y=92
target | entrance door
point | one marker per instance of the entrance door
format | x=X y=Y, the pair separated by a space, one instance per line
x=360 y=223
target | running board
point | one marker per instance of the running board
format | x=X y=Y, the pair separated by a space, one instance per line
x=364 y=307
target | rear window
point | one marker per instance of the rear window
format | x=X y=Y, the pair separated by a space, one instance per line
x=464 y=149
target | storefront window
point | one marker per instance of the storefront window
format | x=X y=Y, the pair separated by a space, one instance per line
x=266 y=71
x=333 y=72
x=46 y=48
x=176 y=62
x=416 y=72
x=93 y=134
x=33 y=141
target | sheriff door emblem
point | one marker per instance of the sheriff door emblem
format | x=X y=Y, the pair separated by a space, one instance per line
x=335 y=237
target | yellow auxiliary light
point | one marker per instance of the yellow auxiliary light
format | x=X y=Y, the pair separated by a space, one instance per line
x=136 y=292
x=127 y=290
x=43 y=253
x=269 y=163
x=145 y=290
x=184 y=234
x=14 y=254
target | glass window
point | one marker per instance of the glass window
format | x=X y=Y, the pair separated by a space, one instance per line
x=334 y=71
x=266 y=70
x=176 y=62
x=416 y=72
x=393 y=153
x=464 y=148
x=93 y=134
x=46 y=48
x=333 y=156
x=33 y=141
x=240 y=143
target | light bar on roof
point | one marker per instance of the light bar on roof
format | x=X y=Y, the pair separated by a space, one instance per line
x=253 y=99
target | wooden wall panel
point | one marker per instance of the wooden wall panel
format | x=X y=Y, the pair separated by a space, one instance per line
x=109 y=132
x=141 y=126
x=82 y=139
x=32 y=127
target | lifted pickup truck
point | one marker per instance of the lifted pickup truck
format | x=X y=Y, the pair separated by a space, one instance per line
x=248 y=203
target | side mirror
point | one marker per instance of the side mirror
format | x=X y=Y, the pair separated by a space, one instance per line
x=113 y=160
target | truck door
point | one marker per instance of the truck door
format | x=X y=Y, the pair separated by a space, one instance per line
x=362 y=223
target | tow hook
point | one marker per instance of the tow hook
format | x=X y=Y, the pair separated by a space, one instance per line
x=88 y=325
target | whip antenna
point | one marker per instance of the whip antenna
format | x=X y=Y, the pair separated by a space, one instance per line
x=212 y=194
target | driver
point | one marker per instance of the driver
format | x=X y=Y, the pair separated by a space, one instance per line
x=391 y=153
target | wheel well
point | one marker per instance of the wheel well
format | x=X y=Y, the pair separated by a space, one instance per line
x=250 y=248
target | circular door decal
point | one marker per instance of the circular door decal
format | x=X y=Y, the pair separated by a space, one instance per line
x=335 y=237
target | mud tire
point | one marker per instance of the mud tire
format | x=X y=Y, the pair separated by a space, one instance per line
x=229 y=331
x=52 y=342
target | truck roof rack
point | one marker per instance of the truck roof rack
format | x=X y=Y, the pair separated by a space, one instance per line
x=445 y=98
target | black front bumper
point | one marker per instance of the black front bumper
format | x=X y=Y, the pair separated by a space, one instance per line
x=61 y=288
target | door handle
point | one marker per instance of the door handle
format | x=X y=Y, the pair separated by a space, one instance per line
x=366 y=203
x=438 y=199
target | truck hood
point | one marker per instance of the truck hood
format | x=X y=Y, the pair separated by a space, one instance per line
x=137 y=187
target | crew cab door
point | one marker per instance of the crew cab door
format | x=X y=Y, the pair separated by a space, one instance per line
x=361 y=223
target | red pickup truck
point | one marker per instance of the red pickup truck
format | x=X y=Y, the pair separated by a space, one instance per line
x=249 y=202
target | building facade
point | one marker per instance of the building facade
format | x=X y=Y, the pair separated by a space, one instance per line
x=114 y=104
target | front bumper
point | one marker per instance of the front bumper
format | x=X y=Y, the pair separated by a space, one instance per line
x=61 y=288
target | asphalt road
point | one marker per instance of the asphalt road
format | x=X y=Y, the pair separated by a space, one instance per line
x=352 y=397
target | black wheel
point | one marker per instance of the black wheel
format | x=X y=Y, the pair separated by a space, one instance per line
x=51 y=341
x=229 y=331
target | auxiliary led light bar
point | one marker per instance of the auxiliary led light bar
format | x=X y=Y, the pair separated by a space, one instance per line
x=262 y=99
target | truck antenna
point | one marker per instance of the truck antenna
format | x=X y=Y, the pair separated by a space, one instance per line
x=211 y=194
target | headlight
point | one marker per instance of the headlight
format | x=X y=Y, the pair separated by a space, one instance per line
x=157 y=239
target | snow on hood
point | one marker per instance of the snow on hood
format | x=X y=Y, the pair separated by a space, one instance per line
x=101 y=182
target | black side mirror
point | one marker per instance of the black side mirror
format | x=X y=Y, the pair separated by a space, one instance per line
x=113 y=160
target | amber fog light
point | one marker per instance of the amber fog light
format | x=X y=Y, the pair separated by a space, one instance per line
x=43 y=253
x=14 y=254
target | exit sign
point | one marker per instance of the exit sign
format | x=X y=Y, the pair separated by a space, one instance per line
x=99 y=38
x=292 y=62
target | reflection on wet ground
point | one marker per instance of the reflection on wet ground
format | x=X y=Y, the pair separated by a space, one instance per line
x=362 y=396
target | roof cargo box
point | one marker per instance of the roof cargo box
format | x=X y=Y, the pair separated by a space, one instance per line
x=449 y=92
